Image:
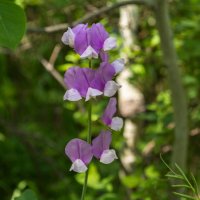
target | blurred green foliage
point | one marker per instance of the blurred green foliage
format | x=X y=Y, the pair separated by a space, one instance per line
x=35 y=123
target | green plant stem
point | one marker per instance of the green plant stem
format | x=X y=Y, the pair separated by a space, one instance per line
x=89 y=136
x=178 y=95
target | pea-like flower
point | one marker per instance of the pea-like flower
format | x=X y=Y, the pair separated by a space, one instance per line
x=87 y=83
x=101 y=148
x=115 y=123
x=80 y=153
x=89 y=42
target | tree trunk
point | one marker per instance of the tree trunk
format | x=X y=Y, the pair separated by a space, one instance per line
x=178 y=95
x=130 y=102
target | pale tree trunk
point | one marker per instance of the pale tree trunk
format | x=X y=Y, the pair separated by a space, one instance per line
x=178 y=95
x=131 y=100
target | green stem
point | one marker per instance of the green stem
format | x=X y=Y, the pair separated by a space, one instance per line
x=178 y=95
x=89 y=136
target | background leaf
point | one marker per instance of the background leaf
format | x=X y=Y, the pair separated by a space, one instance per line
x=27 y=195
x=12 y=24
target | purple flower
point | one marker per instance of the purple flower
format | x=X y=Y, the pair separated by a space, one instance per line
x=78 y=81
x=80 y=153
x=88 y=83
x=114 y=123
x=103 y=80
x=88 y=42
x=100 y=148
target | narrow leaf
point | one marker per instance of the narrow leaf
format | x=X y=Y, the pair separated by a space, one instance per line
x=182 y=186
x=196 y=186
x=167 y=164
x=185 y=177
x=174 y=176
x=184 y=195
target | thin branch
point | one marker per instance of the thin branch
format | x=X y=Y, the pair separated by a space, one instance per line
x=50 y=68
x=54 y=54
x=49 y=65
x=96 y=13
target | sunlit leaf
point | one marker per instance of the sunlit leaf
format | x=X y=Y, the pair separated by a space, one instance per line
x=131 y=181
x=151 y=172
x=27 y=195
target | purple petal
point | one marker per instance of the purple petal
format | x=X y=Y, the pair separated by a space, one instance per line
x=81 y=40
x=70 y=77
x=79 y=149
x=79 y=79
x=89 y=74
x=101 y=143
x=79 y=28
x=107 y=71
x=103 y=74
x=98 y=35
x=109 y=111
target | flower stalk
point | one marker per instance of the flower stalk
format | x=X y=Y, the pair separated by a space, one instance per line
x=89 y=138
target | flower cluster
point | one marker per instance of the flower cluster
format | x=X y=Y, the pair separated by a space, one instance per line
x=87 y=83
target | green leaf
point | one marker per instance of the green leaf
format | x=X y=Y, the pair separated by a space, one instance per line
x=94 y=179
x=174 y=176
x=12 y=24
x=184 y=195
x=108 y=196
x=27 y=195
x=131 y=181
x=185 y=177
x=195 y=186
x=182 y=186
x=151 y=172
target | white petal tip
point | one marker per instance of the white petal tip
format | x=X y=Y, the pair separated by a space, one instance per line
x=111 y=88
x=78 y=166
x=89 y=53
x=72 y=95
x=68 y=37
x=116 y=124
x=118 y=65
x=108 y=156
x=91 y=93
x=109 y=43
